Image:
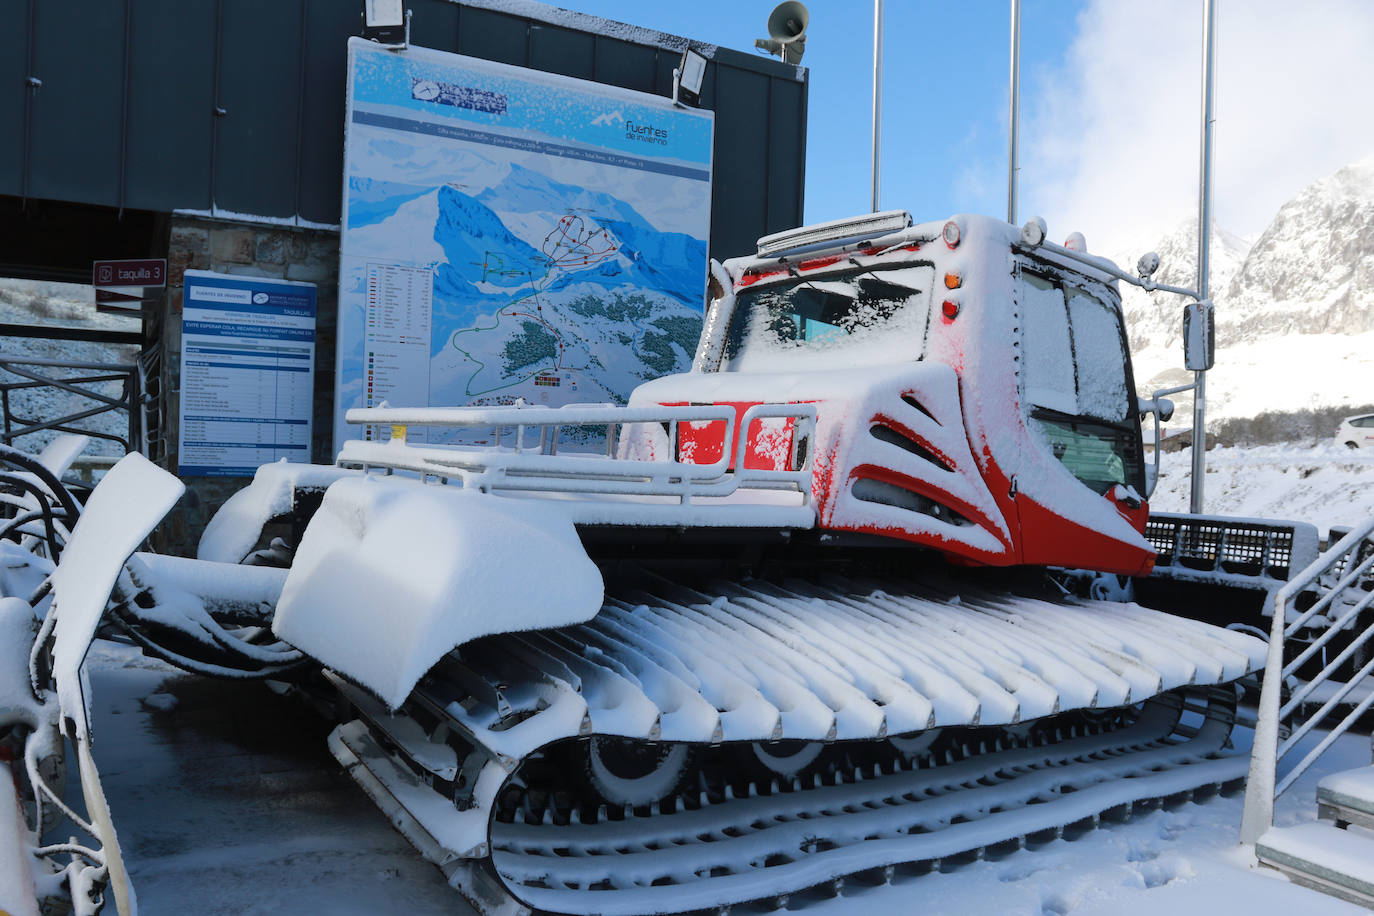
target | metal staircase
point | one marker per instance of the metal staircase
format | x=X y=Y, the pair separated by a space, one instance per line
x=1322 y=620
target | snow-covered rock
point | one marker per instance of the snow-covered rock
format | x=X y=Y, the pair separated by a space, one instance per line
x=1312 y=270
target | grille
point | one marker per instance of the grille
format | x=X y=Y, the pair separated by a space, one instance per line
x=1222 y=545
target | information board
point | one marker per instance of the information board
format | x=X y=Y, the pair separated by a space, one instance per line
x=247 y=373
x=509 y=234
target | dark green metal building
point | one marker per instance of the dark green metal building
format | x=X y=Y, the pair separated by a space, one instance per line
x=234 y=108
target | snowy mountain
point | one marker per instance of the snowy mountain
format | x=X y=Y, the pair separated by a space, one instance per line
x=1301 y=297
x=1155 y=319
x=1312 y=269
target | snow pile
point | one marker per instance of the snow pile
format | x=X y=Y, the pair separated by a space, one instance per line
x=1313 y=370
x=160 y=702
x=391 y=574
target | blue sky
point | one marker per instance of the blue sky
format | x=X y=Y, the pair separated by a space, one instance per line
x=1110 y=104
x=952 y=56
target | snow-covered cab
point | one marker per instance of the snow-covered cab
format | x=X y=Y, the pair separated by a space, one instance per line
x=974 y=392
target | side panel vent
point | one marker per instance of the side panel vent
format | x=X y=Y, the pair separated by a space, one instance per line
x=887 y=494
x=884 y=433
x=912 y=402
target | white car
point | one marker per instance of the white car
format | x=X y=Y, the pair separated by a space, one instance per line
x=1356 y=432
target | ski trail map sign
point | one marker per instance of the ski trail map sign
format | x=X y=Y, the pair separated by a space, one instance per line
x=509 y=234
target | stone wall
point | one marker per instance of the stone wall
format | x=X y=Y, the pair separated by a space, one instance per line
x=240 y=249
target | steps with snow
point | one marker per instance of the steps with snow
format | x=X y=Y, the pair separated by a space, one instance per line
x=1347 y=798
x=1324 y=855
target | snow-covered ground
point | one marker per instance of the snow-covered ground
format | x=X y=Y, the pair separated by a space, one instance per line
x=1184 y=862
x=226 y=800
x=1251 y=378
x=1323 y=484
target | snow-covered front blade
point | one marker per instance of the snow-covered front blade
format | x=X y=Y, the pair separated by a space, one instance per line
x=392 y=573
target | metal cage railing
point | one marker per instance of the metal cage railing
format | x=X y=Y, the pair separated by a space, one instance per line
x=87 y=381
x=1342 y=580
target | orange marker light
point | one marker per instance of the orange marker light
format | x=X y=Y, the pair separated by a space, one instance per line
x=953 y=281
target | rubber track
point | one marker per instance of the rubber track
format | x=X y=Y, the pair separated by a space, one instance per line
x=756 y=848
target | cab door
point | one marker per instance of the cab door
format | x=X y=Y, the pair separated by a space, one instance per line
x=1079 y=407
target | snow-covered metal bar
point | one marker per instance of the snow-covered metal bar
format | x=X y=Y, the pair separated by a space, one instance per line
x=1108 y=267
x=542 y=468
x=1204 y=235
x=1014 y=129
x=1350 y=562
x=877 y=97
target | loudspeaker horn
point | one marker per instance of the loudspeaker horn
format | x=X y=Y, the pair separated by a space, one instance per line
x=788 y=21
x=787 y=30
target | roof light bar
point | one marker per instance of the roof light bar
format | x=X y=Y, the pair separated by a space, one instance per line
x=870 y=225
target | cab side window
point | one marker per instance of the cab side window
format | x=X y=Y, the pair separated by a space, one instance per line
x=1074 y=366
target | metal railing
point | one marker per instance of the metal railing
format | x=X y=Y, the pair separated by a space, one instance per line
x=91 y=383
x=1344 y=587
x=532 y=461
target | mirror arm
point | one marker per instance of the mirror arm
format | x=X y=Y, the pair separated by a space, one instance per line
x=1154 y=406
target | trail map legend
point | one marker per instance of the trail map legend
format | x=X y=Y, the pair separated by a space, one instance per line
x=397 y=338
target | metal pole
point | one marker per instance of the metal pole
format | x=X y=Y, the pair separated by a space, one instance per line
x=1204 y=232
x=1015 y=108
x=877 y=91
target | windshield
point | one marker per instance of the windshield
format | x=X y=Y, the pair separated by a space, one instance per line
x=853 y=318
x=1076 y=383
